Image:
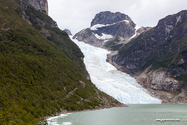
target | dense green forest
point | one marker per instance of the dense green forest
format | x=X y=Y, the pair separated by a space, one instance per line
x=41 y=69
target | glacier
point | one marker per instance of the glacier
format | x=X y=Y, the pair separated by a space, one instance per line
x=108 y=79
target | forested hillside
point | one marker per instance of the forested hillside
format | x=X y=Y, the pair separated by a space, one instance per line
x=41 y=69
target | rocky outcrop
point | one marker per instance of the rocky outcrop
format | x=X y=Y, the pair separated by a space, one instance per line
x=67 y=31
x=108 y=17
x=159 y=84
x=162 y=50
x=87 y=36
x=41 y=5
x=105 y=27
x=142 y=30
x=158 y=80
x=41 y=19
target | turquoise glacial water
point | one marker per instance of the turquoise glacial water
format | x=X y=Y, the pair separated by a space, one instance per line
x=135 y=114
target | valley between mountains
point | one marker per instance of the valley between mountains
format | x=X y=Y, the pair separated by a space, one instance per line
x=42 y=72
x=156 y=57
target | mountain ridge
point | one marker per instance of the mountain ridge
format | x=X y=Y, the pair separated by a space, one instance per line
x=157 y=58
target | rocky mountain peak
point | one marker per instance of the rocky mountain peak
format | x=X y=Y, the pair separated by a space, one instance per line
x=108 y=17
x=41 y=5
x=108 y=28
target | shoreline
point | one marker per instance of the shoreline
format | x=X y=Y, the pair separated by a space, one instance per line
x=126 y=106
x=57 y=114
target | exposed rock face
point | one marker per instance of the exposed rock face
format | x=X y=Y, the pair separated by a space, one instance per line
x=159 y=84
x=29 y=10
x=158 y=80
x=108 y=17
x=143 y=29
x=67 y=31
x=41 y=5
x=82 y=84
x=164 y=49
x=107 y=26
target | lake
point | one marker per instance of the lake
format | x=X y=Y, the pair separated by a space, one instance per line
x=135 y=114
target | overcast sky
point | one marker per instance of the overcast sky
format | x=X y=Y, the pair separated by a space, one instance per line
x=76 y=15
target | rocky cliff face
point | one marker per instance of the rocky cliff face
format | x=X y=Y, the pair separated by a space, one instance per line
x=41 y=5
x=42 y=19
x=159 y=84
x=162 y=49
x=105 y=27
x=108 y=17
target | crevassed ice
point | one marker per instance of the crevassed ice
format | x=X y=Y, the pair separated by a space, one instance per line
x=108 y=79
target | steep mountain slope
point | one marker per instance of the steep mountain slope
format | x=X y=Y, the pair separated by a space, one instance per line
x=158 y=58
x=41 y=69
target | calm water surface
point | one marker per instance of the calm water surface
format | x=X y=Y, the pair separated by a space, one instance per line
x=136 y=114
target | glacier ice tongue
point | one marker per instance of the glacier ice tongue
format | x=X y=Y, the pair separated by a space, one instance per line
x=108 y=79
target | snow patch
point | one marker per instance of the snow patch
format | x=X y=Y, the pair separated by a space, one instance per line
x=104 y=36
x=136 y=28
x=178 y=19
x=125 y=21
x=95 y=27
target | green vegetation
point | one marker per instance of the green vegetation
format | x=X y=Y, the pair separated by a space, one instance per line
x=40 y=76
x=48 y=28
